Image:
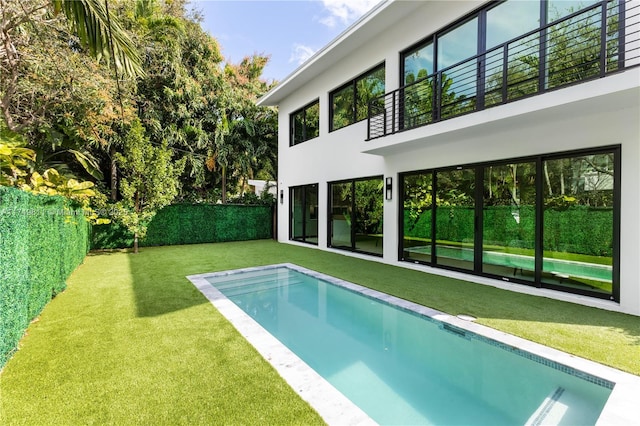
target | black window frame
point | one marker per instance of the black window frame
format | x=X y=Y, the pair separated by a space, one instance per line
x=303 y=110
x=484 y=53
x=352 y=182
x=538 y=282
x=354 y=86
x=305 y=237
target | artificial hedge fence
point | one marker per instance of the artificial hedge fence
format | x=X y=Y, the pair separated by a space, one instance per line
x=578 y=229
x=192 y=224
x=42 y=240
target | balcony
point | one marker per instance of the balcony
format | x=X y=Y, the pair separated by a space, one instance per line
x=592 y=43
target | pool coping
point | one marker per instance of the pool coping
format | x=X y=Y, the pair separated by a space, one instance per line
x=335 y=408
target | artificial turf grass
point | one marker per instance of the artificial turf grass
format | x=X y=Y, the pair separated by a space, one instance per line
x=101 y=353
x=132 y=340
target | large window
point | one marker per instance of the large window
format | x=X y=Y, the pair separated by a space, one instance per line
x=305 y=123
x=304 y=213
x=548 y=221
x=578 y=212
x=509 y=219
x=505 y=51
x=350 y=103
x=355 y=215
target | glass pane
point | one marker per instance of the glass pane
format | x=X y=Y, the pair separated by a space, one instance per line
x=511 y=19
x=342 y=104
x=505 y=22
x=298 y=127
x=418 y=103
x=578 y=222
x=311 y=209
x=573 y=51
x=367 y=88
x=455 y=218
x=522 y=71
x=509 y=220
x=312 y=121
x=557 y=9
x=418 y=211
x=458 y=44
x=458 y=85
x=369 y=205
x=340 y=215
x=418 y=63
x=297 y=213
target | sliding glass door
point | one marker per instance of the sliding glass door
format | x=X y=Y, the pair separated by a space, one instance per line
x=355 y=215
x=304 y=214
x=455 y=218
x=509 y=220
x=579 y=205
x=549 y=221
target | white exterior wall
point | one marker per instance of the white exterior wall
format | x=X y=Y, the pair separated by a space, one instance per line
x=599 y=113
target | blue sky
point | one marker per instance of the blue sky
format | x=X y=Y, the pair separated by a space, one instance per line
x=289 y=31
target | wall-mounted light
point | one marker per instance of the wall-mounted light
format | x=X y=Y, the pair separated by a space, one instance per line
x=388 y=192
x=282 y=196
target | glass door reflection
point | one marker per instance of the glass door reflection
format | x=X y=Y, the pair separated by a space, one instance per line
x=455 y=218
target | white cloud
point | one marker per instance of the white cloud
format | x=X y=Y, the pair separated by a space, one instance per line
x=301 y=53
x=345 y=12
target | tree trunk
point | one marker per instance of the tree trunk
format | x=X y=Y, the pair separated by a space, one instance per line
x=135 y=243
x=224 y=184
x=546 y=176
x=114 y=174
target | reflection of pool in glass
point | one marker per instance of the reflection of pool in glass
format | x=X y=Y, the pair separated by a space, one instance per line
x=402 y=367
x=558 y=267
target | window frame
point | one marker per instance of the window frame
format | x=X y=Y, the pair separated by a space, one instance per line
x=353 y=218
x=537 y=282
x=305 y=203
x=303 y=110
x=353 y=84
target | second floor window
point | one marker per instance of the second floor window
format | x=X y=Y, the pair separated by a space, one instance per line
x=305 y=123
x=349 y=103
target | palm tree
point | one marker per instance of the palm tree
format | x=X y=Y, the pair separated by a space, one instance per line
x=100 y=32
x=97 y=30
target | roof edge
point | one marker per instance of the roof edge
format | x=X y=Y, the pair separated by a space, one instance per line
x=271 y=97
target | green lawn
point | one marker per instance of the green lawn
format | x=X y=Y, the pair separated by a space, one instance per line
x=132 y=341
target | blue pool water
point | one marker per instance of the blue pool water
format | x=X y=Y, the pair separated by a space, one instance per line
x=404 y=368
x=592 y=271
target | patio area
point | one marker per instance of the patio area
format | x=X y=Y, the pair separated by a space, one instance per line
x=131 y=340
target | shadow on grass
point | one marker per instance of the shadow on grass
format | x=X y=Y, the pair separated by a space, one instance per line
x=160 y=288
x=159 y=282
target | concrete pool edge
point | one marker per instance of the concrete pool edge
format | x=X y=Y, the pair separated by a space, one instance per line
x=335 y=408
x=331 y=404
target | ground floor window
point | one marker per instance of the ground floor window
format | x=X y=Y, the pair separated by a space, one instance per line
x=355 y=215
x=549 y=221
x=304 y=213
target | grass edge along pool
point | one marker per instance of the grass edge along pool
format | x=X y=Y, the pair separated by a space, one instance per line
x=335 y=409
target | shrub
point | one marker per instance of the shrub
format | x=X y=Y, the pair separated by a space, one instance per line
x=42 y=240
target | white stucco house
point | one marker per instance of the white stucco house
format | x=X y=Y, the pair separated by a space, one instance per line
x=494 y=141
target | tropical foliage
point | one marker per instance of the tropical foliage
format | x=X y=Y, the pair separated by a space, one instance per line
x=127 y=100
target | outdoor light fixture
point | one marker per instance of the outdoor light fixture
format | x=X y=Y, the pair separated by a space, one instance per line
x=282 y=196
x=388 y=189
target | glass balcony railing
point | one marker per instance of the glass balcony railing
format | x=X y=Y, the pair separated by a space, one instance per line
x=585 y=45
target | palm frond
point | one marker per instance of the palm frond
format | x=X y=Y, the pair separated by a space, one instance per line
x=101 y=33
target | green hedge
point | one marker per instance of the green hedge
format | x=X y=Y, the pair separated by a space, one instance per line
x=42 y=240
x=578 y=229
x=192 y=224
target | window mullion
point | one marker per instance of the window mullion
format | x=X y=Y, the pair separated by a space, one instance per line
x=538 y=244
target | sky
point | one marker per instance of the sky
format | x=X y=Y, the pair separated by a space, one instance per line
x=289 y=31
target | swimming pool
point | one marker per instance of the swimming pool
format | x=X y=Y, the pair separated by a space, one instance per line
x=403 y=363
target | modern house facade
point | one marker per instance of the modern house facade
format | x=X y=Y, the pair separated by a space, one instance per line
x=497 y=142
